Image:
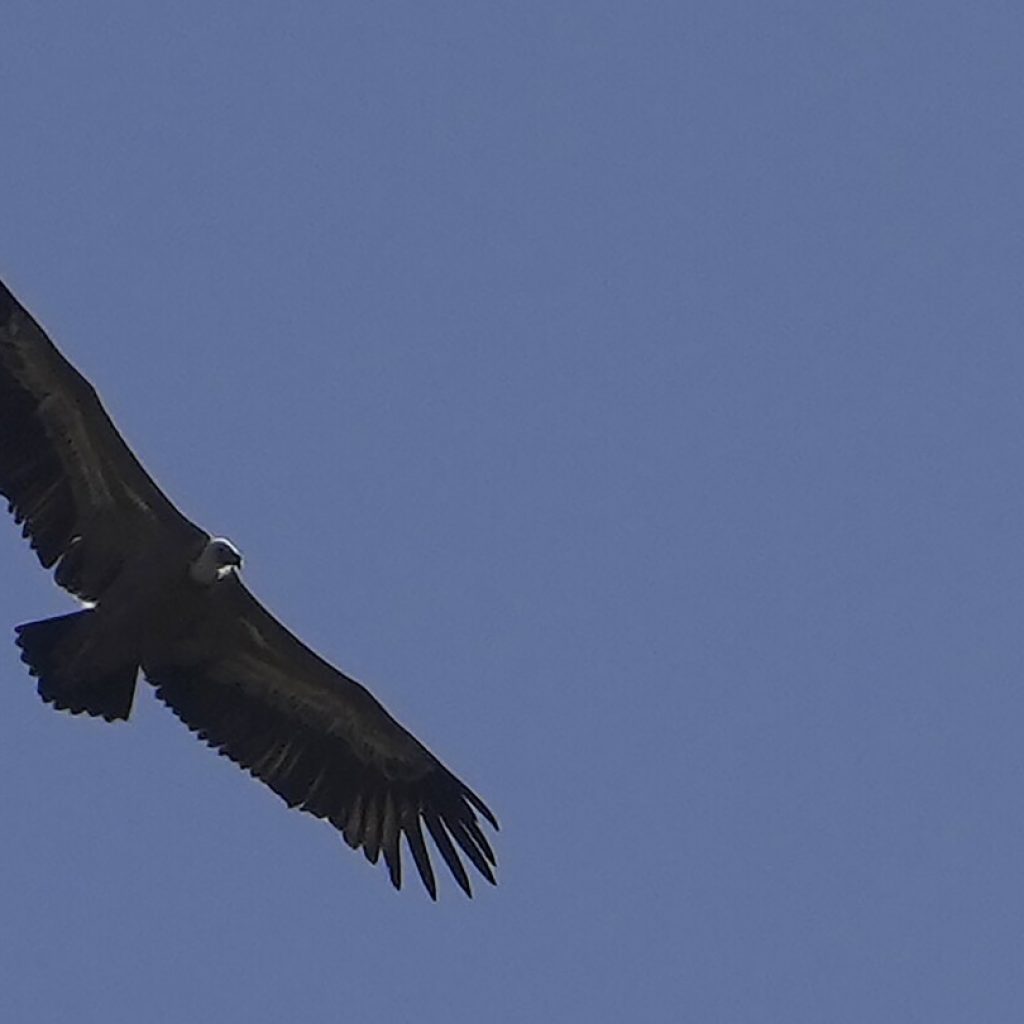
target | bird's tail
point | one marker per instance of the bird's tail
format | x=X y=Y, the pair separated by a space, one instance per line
x=76 y=672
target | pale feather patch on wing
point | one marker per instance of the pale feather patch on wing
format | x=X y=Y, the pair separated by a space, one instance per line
x=258 y=638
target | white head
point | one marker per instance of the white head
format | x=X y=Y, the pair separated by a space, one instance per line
x=219 y=558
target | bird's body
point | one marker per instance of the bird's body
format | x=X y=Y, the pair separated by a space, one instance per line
x=164 y=598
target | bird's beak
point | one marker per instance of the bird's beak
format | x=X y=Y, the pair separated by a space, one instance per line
x=231 y=568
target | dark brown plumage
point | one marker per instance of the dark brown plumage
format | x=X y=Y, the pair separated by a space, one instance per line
x=166 y=598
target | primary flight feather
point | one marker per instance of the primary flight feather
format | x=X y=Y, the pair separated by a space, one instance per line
x=165 y=598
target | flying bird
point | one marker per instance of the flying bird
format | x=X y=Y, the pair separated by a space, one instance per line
x=163 y=597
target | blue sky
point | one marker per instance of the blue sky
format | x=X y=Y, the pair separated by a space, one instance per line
x=631 y=396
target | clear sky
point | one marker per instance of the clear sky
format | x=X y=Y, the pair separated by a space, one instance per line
x=630 y=394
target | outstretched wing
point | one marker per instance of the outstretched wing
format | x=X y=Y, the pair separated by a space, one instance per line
x=82 y=496
x=319 y=739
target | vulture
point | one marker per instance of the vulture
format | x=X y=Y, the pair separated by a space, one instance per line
x=162 y=597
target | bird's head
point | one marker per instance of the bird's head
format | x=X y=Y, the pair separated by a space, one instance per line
x=217 y=559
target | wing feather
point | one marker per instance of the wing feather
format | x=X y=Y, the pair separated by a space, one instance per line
x=436 y=829
x=479 y=839
x=389 y=836
x=472 y=851
x=371 y=828
x=351 y=826
x=413 y=829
